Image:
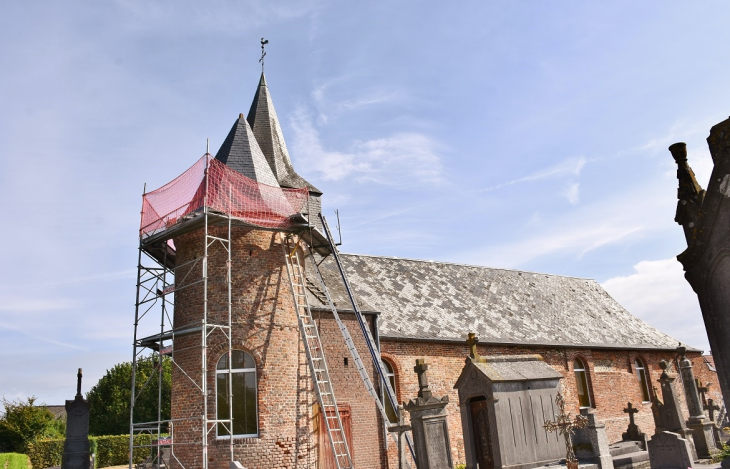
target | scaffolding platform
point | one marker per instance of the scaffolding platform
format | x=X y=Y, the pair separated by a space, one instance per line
x=156 y=244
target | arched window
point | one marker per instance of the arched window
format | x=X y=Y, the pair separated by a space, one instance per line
x=242 y=377
x=581 y=381
x=390 y=376
x=643 y=381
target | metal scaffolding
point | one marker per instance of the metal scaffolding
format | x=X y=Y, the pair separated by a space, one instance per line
x=185 y=206
x=159 y=277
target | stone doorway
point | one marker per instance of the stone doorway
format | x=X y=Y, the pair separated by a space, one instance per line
x=481 y=432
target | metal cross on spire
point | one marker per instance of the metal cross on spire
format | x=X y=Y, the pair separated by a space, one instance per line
x=263 y=53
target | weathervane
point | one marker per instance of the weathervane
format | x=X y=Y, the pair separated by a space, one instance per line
x=263 y=53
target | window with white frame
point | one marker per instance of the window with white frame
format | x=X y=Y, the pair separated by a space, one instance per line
x=643 y=380
x=238 y=381
x=581 y=382
x=390 y=376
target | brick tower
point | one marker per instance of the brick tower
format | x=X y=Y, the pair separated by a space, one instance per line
x=273 y=417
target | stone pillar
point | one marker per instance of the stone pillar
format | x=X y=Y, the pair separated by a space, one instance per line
x=591 y=442
x=76 y=453
x=428 y=419
x=705 y=219
x=704 y=437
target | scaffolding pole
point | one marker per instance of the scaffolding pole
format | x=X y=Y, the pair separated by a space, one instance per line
x=158 y=278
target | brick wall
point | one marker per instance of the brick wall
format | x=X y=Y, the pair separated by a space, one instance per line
x=611 y=374
x=265 y=326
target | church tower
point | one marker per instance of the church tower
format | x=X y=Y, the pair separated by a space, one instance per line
x=268 y=377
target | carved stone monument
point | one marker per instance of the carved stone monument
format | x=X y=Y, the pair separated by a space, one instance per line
x=668 y=414
x=504 y=402
x=591 y=442
x=704 y=436
x=705 y=218
x=428 y=420
x=76 y=453
x=669 y=450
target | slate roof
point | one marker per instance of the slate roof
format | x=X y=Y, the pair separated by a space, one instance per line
x=265 y=125
x=241 y=152
x=438 y=301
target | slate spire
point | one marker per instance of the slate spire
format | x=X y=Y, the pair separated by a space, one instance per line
x=241 y=152
x=265 y=125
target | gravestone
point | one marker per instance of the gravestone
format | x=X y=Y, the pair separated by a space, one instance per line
x=428 y=422
x=76 y=453
x=702 y=432
x=591 y=442
x=504 y=402
x=705 y=219
x=669 y=450
x=633 y=433
x=668 y=414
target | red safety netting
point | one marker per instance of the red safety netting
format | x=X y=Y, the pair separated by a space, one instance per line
x=228 y=191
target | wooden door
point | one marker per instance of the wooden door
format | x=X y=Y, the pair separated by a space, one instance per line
x=325 y=456
x=481 y=432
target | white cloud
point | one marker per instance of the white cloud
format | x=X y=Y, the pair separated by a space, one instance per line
x=658 y=293
x=567 y=167
x=401 y=159
x=328 y=105
x=571 y=192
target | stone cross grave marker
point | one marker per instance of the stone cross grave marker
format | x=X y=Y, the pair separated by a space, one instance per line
x=632 y=433
x=711 y=408
x=428 y=419
x=421 y=367
x=566 y=426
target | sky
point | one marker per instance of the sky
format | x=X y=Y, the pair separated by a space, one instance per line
x=514 y=134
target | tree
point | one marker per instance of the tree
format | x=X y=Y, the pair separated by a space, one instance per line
x=110 y=397
x=23 y=422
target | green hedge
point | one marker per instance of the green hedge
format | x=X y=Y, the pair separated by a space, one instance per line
x=14 y=461
x=110 y=450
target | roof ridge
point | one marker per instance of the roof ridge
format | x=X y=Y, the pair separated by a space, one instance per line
x=467 y=265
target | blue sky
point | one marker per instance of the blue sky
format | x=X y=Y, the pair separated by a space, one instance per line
x=528 y=135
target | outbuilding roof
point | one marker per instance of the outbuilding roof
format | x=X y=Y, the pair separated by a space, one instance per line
x=439 y=301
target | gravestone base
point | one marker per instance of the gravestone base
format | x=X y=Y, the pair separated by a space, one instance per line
x=704 y=438
x=668 y=450
x=591 y=442
x=431 y=434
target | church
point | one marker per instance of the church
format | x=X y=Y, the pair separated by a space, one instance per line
x=242 y=387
